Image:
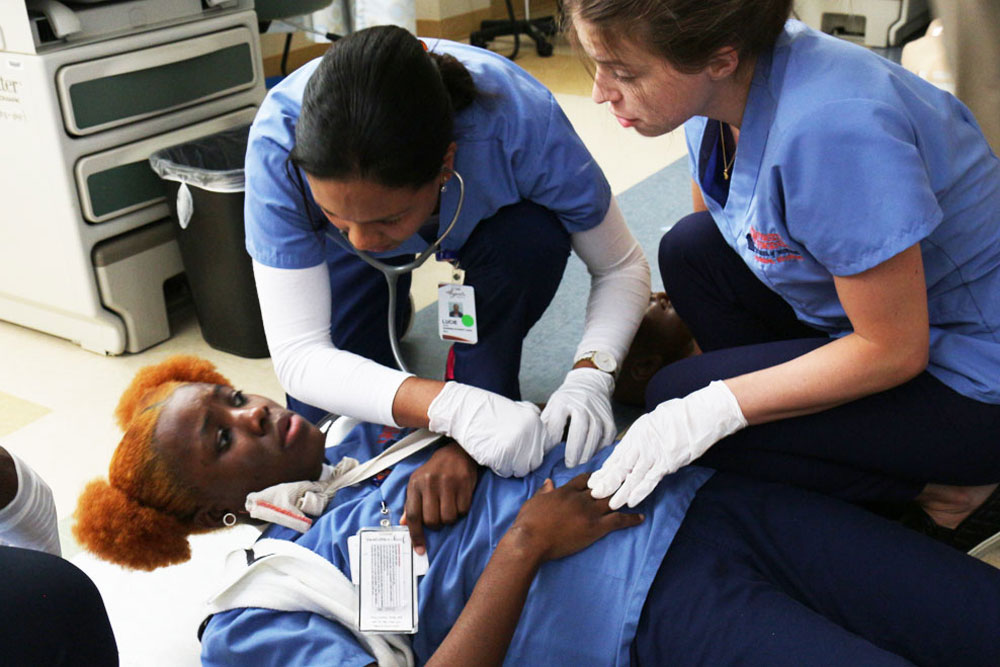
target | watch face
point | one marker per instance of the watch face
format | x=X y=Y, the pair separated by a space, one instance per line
x=604 y=361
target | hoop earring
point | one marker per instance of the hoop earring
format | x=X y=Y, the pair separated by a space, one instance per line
x=229 y=519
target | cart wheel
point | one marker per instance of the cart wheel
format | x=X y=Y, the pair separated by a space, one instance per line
x=544 y=48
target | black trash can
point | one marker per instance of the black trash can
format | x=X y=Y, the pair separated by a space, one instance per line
x=204 y=183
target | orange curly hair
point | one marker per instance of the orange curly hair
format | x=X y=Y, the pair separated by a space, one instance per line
x=141 y=516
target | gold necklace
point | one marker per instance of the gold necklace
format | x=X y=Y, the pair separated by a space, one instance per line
x=726 y=164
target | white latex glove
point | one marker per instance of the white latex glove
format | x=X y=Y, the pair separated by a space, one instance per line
x=584 y=400
x=674 y=434
x=506 y=436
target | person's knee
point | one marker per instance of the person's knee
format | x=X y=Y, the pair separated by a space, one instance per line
x=678 y=379
x=65 y=586
x=681 y=242
x=54 y=613
x=523 y=238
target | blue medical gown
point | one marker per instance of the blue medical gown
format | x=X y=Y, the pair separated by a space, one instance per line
x=845 y=160
x=514 y=143
x=581 y=610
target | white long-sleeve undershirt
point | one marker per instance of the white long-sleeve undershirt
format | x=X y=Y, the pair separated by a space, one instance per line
x=619 y=285
x=29 y=521
x=295 y=305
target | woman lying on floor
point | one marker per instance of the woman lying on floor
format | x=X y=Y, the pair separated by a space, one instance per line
x=715 y=569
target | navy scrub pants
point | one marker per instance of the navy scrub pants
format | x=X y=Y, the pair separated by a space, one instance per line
x=51 y=613
x=514 y=260
x=881 y=448
x=770 y=575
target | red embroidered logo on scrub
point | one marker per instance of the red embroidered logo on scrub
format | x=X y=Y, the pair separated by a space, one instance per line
x=388 y=434
x=769 y=248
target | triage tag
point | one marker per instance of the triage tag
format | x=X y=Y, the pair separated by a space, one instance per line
x=457 y=313
x=387 y=581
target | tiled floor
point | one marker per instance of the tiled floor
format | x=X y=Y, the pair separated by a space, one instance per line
x=56 y=400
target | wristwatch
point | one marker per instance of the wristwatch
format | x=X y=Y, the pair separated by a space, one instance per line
x=603 y=361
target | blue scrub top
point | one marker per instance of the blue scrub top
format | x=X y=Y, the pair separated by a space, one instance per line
x=581 y=610
x=514 y=144
x=845 y=160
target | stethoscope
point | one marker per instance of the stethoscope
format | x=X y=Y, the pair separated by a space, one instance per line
x=392 y=272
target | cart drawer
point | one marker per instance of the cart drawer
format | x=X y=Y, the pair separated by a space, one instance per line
x=119 y=181
x=107 y=92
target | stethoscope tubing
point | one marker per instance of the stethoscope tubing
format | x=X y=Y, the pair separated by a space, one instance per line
x=393 y=272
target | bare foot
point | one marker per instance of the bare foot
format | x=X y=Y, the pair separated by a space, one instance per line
x=948 y=505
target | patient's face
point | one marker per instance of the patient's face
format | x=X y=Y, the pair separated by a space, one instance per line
x=226 y=444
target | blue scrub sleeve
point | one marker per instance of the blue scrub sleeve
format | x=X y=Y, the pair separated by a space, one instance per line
x=278 y=232
x=266 y=637
x=553 y=168
x=856 y=187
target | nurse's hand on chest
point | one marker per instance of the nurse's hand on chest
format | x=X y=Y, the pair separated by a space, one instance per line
x=581 y=407
x=506 y=436
x=677 y=432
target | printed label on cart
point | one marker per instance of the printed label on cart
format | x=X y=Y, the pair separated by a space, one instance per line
x=457 y=313
x=387 y=582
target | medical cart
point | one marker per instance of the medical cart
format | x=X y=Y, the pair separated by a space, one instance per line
x=87 y=92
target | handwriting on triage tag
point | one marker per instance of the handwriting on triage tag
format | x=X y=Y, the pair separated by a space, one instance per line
x=387 y=590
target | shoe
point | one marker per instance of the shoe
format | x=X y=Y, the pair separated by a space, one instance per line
x=982 y=524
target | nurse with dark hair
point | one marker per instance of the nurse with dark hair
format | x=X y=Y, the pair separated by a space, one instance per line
x=842 y=276
x=362 y=151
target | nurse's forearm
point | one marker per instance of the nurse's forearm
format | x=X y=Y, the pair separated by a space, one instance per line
x=295 y=306
x=887 y=308
x=483 y=631
x=414 y=396
x=841 y=371
x=619 y=287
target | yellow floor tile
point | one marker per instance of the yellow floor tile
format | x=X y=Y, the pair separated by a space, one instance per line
x=16 y=413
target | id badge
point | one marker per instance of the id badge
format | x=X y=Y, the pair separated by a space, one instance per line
x=387 y=581
x=457 y=313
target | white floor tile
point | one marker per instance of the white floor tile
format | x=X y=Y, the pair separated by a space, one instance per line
x=155 y=615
